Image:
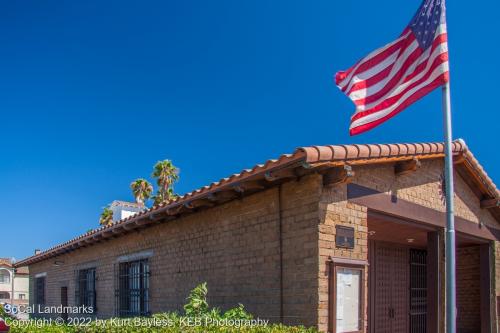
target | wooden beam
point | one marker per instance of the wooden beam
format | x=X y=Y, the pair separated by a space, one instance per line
x=142 y=221
x=405 y=167
x=201 y=203
x=339 y=175
x=97 y=236
x=176 y=210
x=459 y=158
x=221 y=196
x=490 y=203
x=117 y=230
x=154 y=217
x=272 y=176
x=128 y=226
x=249 y=186
x=107 y=234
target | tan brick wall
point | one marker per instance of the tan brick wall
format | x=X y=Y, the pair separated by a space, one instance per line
x=234 y=247
x=468 y=290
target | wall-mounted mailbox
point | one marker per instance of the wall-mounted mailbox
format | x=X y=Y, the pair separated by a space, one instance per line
x=344 y=237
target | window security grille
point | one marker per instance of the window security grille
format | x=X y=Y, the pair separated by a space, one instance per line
x=40 y=290
x=85 y=291
x=418 y=291
x=133 y=288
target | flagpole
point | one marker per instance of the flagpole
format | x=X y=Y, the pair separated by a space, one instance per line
x=450 y=216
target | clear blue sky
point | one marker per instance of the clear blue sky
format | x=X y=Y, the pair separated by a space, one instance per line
x=93 y=93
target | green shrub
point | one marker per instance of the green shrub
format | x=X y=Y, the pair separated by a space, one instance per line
x=198 y=317
x=197 y=304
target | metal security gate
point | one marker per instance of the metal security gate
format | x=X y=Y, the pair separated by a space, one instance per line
x=389 y=288
x=418 y=291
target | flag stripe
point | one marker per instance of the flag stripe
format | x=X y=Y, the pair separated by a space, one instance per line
x=343 y=78
x=374 y=84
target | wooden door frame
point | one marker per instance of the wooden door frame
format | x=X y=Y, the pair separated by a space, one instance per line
x=335 y=263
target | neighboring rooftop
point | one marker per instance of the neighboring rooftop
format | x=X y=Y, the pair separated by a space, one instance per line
x=126 y=204
x=5 y=262
x=304 y=160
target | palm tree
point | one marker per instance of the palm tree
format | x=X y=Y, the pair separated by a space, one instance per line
x=106 y=216
x=160 y=197
x=166 y=174
x=142 y=190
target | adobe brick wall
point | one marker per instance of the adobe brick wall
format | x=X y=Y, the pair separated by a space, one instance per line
x=234 y=247
x=468 y=290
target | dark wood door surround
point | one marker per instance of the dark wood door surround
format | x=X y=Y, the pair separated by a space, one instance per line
x=433 y=222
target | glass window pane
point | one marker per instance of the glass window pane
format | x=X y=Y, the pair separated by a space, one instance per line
x=348 y=299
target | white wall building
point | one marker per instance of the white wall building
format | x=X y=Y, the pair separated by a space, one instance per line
x=13 y=280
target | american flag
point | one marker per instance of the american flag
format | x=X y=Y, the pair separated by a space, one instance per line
x=389 y=79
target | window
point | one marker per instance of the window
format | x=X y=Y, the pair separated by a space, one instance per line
x=21 y=296
x=346 y=295
x=85 y=288
x=4 y=276
x=40 y=290
x=4 y=295
x=133 y=288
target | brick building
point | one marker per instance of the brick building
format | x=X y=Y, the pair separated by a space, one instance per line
x=345 y=238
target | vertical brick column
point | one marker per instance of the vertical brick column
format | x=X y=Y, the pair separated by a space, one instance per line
x=336 y=210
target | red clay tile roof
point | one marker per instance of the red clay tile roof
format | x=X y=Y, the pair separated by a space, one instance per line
x=5 y=262
x=307 y=157
x=23 y=270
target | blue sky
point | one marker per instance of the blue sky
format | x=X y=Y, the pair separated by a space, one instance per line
x=93 y=93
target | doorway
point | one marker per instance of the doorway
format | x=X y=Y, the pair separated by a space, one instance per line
x=398 y=288
x=389 y=288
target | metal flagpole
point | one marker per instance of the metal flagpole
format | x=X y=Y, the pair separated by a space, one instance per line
x=450 y=217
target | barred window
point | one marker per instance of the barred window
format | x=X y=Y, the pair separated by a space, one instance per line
x=40 y=290
x=133 y=288
x=85 y=288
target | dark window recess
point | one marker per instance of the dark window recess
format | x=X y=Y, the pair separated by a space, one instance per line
x=64 y=302
x=133 y=288
x=418 y=291
x=40 y=290
x=85 y=291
